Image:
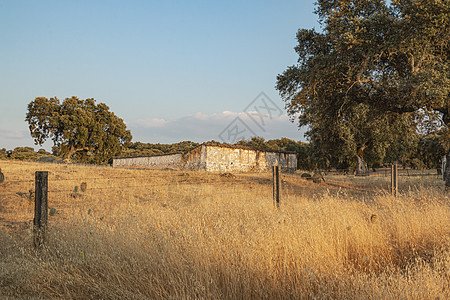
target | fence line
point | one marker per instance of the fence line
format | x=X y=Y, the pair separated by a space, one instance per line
x=91 y=178
x=9 y=194
x=167 y=183
x=170 y=184
x=17 y=181
x=86 y=178
x=386 y=172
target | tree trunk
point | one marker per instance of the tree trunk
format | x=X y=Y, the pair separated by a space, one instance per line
x=361 y=167
x=72 y=150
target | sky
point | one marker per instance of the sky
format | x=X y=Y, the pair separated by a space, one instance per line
x=172 y=70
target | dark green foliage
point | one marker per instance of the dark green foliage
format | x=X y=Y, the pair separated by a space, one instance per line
x=430 y=151
x=79 y=128
x=24 y=153
x=257 y=142
x=43 y=152
x=307 y=158
x=148 y=149
x=360 y=83
x=28 y=154
x=3 y=154
x=283 y=144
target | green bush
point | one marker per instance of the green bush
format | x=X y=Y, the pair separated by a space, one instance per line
x=3 y=154
x=28 y=154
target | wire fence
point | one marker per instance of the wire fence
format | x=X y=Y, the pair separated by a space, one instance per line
x=58 y=185
x=119 y=183
x=175 y=186
x=386 y=172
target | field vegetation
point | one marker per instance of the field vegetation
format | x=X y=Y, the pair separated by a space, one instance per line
x=140 y=234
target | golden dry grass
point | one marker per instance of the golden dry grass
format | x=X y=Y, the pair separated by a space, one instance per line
x=138 y=234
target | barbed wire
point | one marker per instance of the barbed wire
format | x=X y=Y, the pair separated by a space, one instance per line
x=235 y=181
x=177 y=181
x=83 y=178
x=17 y=181
x=379 y=173
x=87 y=193
x=172 y=184
x=93 y=178
x=9 y=194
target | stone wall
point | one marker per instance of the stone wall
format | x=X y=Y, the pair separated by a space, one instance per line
x=173 y=161
x=287 y=161
x=215 y=159
x=230 y=159
x=194 y=160
x=246 y=160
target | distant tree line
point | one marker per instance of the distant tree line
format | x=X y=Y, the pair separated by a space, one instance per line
x=26 y=154
x=148 y=149
x=425 y=153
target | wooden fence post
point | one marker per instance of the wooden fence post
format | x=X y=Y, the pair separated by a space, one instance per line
x=276 y=185
x=394 y=179
x=40 y=208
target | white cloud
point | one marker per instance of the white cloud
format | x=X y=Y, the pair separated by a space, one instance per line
x=153 y=122
x=12 y=134
x=202 y=127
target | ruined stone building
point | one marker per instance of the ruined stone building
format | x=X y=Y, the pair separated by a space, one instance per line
x=215 y=157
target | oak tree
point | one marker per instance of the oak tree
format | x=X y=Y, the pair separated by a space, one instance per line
x=372 y=66
x=76 y=125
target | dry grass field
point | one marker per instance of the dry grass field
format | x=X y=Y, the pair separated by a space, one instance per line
x=141 y=234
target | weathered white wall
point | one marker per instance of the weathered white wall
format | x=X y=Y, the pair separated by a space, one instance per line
x=287 y=161
x=195 y=160
x=230 y=159
x=246 y=160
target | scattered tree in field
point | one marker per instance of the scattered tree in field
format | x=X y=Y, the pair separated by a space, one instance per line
x=360 y=83
x=76 y=126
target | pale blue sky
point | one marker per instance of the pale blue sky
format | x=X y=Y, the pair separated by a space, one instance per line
x=173 y=70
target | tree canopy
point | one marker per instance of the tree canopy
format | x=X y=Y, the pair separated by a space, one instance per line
x=77 y=126
x=360 y=82
x=149 y=149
